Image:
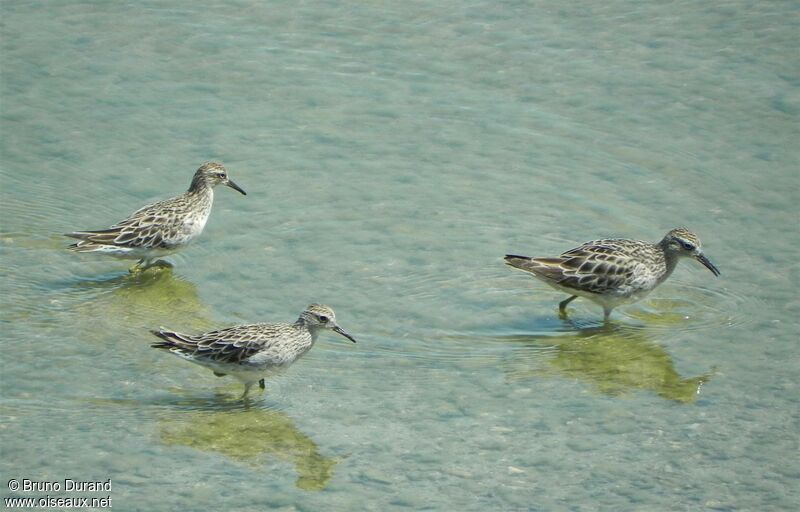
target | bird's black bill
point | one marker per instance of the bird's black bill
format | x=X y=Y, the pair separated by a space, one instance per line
x=341 y=331
x=710 y=266
x=235 y=187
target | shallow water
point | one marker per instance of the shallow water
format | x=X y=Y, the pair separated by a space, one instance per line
x=392 y=154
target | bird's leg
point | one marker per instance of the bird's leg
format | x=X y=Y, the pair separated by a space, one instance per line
x=606 y=313
x=137 y=267
x=246 y=390
x=261 y=384
x=562 y=306
x=162 y=264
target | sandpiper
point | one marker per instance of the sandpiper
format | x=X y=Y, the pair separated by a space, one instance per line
x=249 y=352
x=160 y=228
x=615 y=271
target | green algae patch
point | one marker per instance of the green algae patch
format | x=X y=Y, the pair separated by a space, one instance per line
x=615 y=361
x=251 y=436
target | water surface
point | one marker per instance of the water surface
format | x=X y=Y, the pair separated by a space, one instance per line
x=392 y=154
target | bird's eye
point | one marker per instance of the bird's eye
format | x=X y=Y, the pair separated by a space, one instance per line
x=687 y=245
x=324 y=319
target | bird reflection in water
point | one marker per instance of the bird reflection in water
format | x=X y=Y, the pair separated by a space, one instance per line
x=252 y=435
x=154 y=296
x=615 y=360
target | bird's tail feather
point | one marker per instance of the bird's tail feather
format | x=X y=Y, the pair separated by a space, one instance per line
x=170 y=340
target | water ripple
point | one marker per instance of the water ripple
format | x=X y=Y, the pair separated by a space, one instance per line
x=690 y=307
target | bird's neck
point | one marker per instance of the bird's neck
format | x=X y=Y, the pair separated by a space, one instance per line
x=200 y=186
x=313 y=330
x=670 y=259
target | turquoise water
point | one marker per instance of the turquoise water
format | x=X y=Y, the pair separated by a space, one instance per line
x=392 y=154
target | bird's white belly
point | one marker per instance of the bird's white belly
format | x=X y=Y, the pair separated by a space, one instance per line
x=191 y=228
x=131 y=252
